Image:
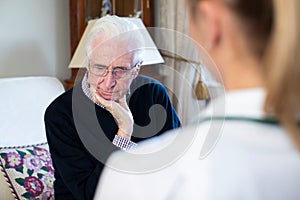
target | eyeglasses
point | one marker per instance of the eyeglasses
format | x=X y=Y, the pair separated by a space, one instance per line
x=118 y=72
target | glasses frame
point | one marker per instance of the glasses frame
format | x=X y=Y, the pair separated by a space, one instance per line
x=135 y=67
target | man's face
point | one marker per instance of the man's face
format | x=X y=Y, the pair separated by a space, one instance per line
x=113 y=56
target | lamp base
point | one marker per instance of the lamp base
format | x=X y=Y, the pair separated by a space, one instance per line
x=69 y=83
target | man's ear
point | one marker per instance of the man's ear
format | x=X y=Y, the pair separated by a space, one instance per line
x=211 y=22
x=138 y=67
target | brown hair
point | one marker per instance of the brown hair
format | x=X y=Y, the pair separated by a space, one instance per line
x=255 y=17
x=282 y=60
x=274 y=27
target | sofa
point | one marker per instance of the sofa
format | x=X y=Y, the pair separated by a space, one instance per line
x=26 y=170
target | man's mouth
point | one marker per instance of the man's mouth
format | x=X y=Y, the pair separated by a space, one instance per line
x=108 y=95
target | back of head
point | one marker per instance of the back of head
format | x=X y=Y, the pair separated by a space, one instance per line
x=255 y=18
x=272 y=28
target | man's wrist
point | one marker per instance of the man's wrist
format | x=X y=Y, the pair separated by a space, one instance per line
x=124 y=134
x=123 y=143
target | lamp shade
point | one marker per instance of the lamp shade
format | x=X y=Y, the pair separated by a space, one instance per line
x=150 y=54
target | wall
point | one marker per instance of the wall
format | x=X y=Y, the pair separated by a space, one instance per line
x=34 y=38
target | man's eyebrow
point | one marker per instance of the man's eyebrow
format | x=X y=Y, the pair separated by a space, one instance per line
x=121 y=67
x=99 y=65
x=117 y=66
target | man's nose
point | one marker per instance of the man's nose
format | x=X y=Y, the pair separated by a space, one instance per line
x=109 y=80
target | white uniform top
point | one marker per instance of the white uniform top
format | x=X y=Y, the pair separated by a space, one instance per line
x=250 y=160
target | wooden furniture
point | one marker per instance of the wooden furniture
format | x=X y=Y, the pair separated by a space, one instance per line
x=82 y=10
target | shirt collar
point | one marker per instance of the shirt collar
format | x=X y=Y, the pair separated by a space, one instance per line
x=86 y=90
x=237 y=103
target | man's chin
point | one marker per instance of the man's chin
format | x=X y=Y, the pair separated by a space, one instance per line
x=109 y=96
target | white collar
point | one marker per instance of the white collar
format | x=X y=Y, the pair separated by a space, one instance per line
x=86 y=90
x=237 y=103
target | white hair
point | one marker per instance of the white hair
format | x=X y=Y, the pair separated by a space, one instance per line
x=120 y=30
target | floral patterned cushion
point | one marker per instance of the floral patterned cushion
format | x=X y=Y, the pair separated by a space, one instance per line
x=28 y=171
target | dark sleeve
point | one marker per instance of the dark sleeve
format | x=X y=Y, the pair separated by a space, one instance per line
x=162 y=98
x=76 y=171
x=152 y=109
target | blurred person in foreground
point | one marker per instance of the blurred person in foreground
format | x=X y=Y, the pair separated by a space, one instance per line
x=256 y=46
x=110 y=108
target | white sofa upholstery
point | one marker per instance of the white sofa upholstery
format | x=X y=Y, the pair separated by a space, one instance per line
x=22 y=105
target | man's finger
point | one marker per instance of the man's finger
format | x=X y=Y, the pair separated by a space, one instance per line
x=105 y=103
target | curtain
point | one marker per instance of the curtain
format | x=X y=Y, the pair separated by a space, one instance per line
x=183 y=70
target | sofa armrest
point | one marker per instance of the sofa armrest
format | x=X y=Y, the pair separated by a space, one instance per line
x=5 y=192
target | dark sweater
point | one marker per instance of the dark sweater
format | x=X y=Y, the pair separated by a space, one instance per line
x=79 y=133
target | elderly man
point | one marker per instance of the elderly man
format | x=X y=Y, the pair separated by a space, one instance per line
x=111 y=107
